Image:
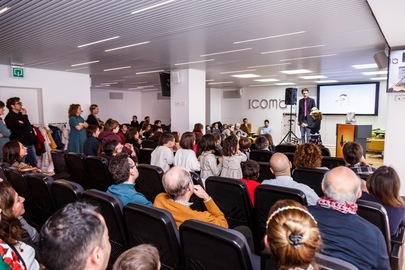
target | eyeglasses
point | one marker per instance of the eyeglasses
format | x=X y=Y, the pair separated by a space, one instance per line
x=132 y=165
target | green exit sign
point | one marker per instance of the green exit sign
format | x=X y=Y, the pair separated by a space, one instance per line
x=17 y=72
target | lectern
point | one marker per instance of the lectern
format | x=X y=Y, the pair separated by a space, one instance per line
x=351 y=133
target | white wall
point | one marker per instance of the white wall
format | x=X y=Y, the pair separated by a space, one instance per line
x=59 y=90
x=155 y=108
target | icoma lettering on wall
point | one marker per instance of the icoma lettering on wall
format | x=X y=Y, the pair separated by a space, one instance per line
x=266 y=104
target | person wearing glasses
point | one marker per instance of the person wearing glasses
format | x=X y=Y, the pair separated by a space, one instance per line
x=124 y=172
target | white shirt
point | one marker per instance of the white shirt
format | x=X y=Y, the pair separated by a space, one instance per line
x=188 y=159
x=162 y=157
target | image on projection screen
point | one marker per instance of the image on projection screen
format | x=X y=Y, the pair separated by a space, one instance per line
x=361 y=99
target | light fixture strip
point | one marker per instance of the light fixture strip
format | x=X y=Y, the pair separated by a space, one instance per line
x=232 y=51
x=272 y=65
x=85 y=63
x=152 y=71
x=293 y=49
x=99 y=41
x=150 y=7
x=72 y=69
x=276 y=36
x=237 y=71
x=194 y=62
x=365 y=66
x=308 y=57
x=117 y=68
x=212 y=83
x=375 y=73
x=127 y=46
x=327 y=81
x=4 y=10
x=259 y=85
x=379 y=79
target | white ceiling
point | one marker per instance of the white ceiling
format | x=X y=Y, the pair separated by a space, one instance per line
x=46 y=34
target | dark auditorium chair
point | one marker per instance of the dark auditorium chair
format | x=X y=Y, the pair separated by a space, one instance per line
x=310 y=177
x=260 y=155
x=325 y=151
x=151 y=225
x=3 y=165
x=149 y=144
x=77 y=169
x=110 y=208
x=210 y=247
x=282 y=148
x=149 y=182
x=97 y=169
x=265 y=197
x=39 y=186
x=265 y=173
x=376 y=214
x=198 y=203
x=290 y=156
x=332 y=162
x=65 y=192
x=145 y=155
x=232 y=198
x=60 y=165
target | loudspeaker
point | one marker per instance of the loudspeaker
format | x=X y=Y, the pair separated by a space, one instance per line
x=381 y=60
x=290 y=96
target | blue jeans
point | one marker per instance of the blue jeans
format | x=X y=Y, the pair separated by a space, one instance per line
x=31 y=157
x=304 y=134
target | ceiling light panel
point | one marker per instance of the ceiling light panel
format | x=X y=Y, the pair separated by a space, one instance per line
x=296 y=71
x=194 y=62
x=117 y=68
x=225 y=52
x=264 y=38
x=153 y=6
x=237 y=71
x=267 y=80
x=327 y=81
x=98 y=41
x=379 y=79
x=271 y=65
x=313 y=77
x=85 y=63
x=245 y=76
x=365 y=66
x=127 y=46
x=308 y=57
x=213 y=83
x=152 y=71
x=285 y=83
x=375 y=73
x=293 y=49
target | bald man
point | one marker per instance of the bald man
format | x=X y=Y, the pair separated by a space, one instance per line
x=280 y=166
x=179 y=187
x=345 y=235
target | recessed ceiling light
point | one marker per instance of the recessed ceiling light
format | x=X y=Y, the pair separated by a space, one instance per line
x=267 y=80
x=260 y=85
x=127 y=46
x=72 y=69
x=85 y=63
x=117 y=68
x=263 y=38
x=99 y=41
x=4 y=10
x=271 y=65
x=364 y=66
x=152 y=71
x=285 y=83
x=212 y=83
x=194 y=62
x=246 y=76
x=150 y=7
x=379 y=79
x=327 y=81
x=313 y=77
x=237 y=71
x=375 y=73
x=296 y=71
x=209 y=80
x=308 y=57
x=293 y=49
x=232 y=51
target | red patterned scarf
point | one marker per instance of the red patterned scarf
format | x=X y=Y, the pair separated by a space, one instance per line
x=345 y=208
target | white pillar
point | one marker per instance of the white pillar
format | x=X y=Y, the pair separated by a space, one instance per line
x=187 y=99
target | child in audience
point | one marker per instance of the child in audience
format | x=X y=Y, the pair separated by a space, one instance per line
x=91 y=144
x=250 y=171
x=143 y=257
x=218 y=146
x=162 y=156
x=272 y=147
x=133 y=137
x=232 y=158
x=208 y=161
x=262 y=143
x=244 y=145
x=176 y=136
x=185 y=156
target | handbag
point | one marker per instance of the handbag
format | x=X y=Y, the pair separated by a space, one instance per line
x=315 y=139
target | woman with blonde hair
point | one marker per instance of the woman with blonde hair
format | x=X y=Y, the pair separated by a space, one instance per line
x=292 y=236
x=92 y=118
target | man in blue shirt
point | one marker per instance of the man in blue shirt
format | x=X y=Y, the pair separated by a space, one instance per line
x=266 y=128
x=124 y=172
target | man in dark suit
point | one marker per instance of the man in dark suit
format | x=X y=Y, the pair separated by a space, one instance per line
x=304 y=109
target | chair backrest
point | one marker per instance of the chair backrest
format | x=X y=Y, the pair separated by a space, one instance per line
x=260 y=155
x=59 y=162
x=265 y=172
x=151 y=225
x=65 y=192
x=3 y=165
x=325 y=152
x=332 y=162
x=145 y=155
x=149 y=182
x=282 y=148
x=110 y=208
x=232 y=197
x=198 y=203
x=77 y=169
x=265 y=197
x=149 y=144
x=310 y=177
x=100 y=177
x=221 y=249
x=290 y=156
x=326 y=262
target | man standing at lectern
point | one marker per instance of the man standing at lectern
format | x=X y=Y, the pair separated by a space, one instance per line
x=304 y=109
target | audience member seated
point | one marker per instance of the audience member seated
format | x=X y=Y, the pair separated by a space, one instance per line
x=280 y=166
x=353 y=156
x=134 y=122
x=75 y=237
x=133 y=137
x=229 y=130
x=207 y=129
x=176 y=136
x=272 y=147
x=266 y=128
x=383 y=187
x=146 y=119
x=14 y=153
x=124 y=172
x=250 y=172
x=262 y=143
x=142 y=257
x=215 y=128
x=179 y=187
x=346 y=235
x=210 y=165
x=162 y=156
x=146 y=130
x=91 y=144
x=308 y=155
x=246 y=126
x=244 y=145
x=292 y=236
x=185 y=156
x=12 y=232
x=218 y=144
x=122 y=133
x=232 y=158
x=198 y=128
x=111 y=149
x=238 y=131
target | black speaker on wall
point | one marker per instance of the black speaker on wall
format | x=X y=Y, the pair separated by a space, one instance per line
x=290 y=96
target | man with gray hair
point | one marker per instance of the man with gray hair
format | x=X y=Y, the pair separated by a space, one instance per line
x=345 y=235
